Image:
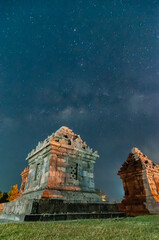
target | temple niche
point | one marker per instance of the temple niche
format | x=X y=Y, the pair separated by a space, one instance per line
x=140 y=177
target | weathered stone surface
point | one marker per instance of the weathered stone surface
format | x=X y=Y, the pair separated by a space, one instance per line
x=24 y=176
x=60 y=167
x=140 y=177
x=54 y=206
x=72 y=216
x=51 y=209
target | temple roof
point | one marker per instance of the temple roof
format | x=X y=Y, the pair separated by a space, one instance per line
x=64 y=136
x=137 y=158
x=65 y=132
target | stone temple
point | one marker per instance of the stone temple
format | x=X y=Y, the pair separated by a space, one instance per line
x=60 y=172
x=62 y=167
x=140 y=177
x=58 y=183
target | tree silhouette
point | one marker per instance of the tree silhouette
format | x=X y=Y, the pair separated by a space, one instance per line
x=4 y=197
x=1 y=195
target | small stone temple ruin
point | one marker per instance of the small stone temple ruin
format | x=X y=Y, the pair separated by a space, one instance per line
x=62 y=166
x=140 y=177
x=59 y=179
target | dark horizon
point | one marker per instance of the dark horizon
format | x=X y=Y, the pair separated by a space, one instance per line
x=91 y=66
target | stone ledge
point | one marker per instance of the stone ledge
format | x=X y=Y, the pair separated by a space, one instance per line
x=72 y=216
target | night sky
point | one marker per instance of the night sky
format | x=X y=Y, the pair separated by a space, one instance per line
x=90 y=65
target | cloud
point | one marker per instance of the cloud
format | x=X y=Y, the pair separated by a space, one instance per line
x=69 y=113
x=66 y=113
x=141 y=103
x=7 y=123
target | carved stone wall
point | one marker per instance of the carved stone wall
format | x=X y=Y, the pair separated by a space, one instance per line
x=24 y=176
x=62 y=164
x=140 y=177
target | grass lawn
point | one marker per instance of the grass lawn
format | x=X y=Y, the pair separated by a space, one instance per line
x=146 y=227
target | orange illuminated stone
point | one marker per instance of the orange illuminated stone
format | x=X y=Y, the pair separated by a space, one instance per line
x=140 y=177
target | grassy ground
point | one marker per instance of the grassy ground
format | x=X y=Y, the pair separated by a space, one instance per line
x=139 y=228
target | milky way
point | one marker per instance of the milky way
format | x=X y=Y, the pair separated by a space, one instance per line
x=88 y=65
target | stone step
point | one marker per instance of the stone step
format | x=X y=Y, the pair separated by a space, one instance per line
x=56 y=206
x=72 y=216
